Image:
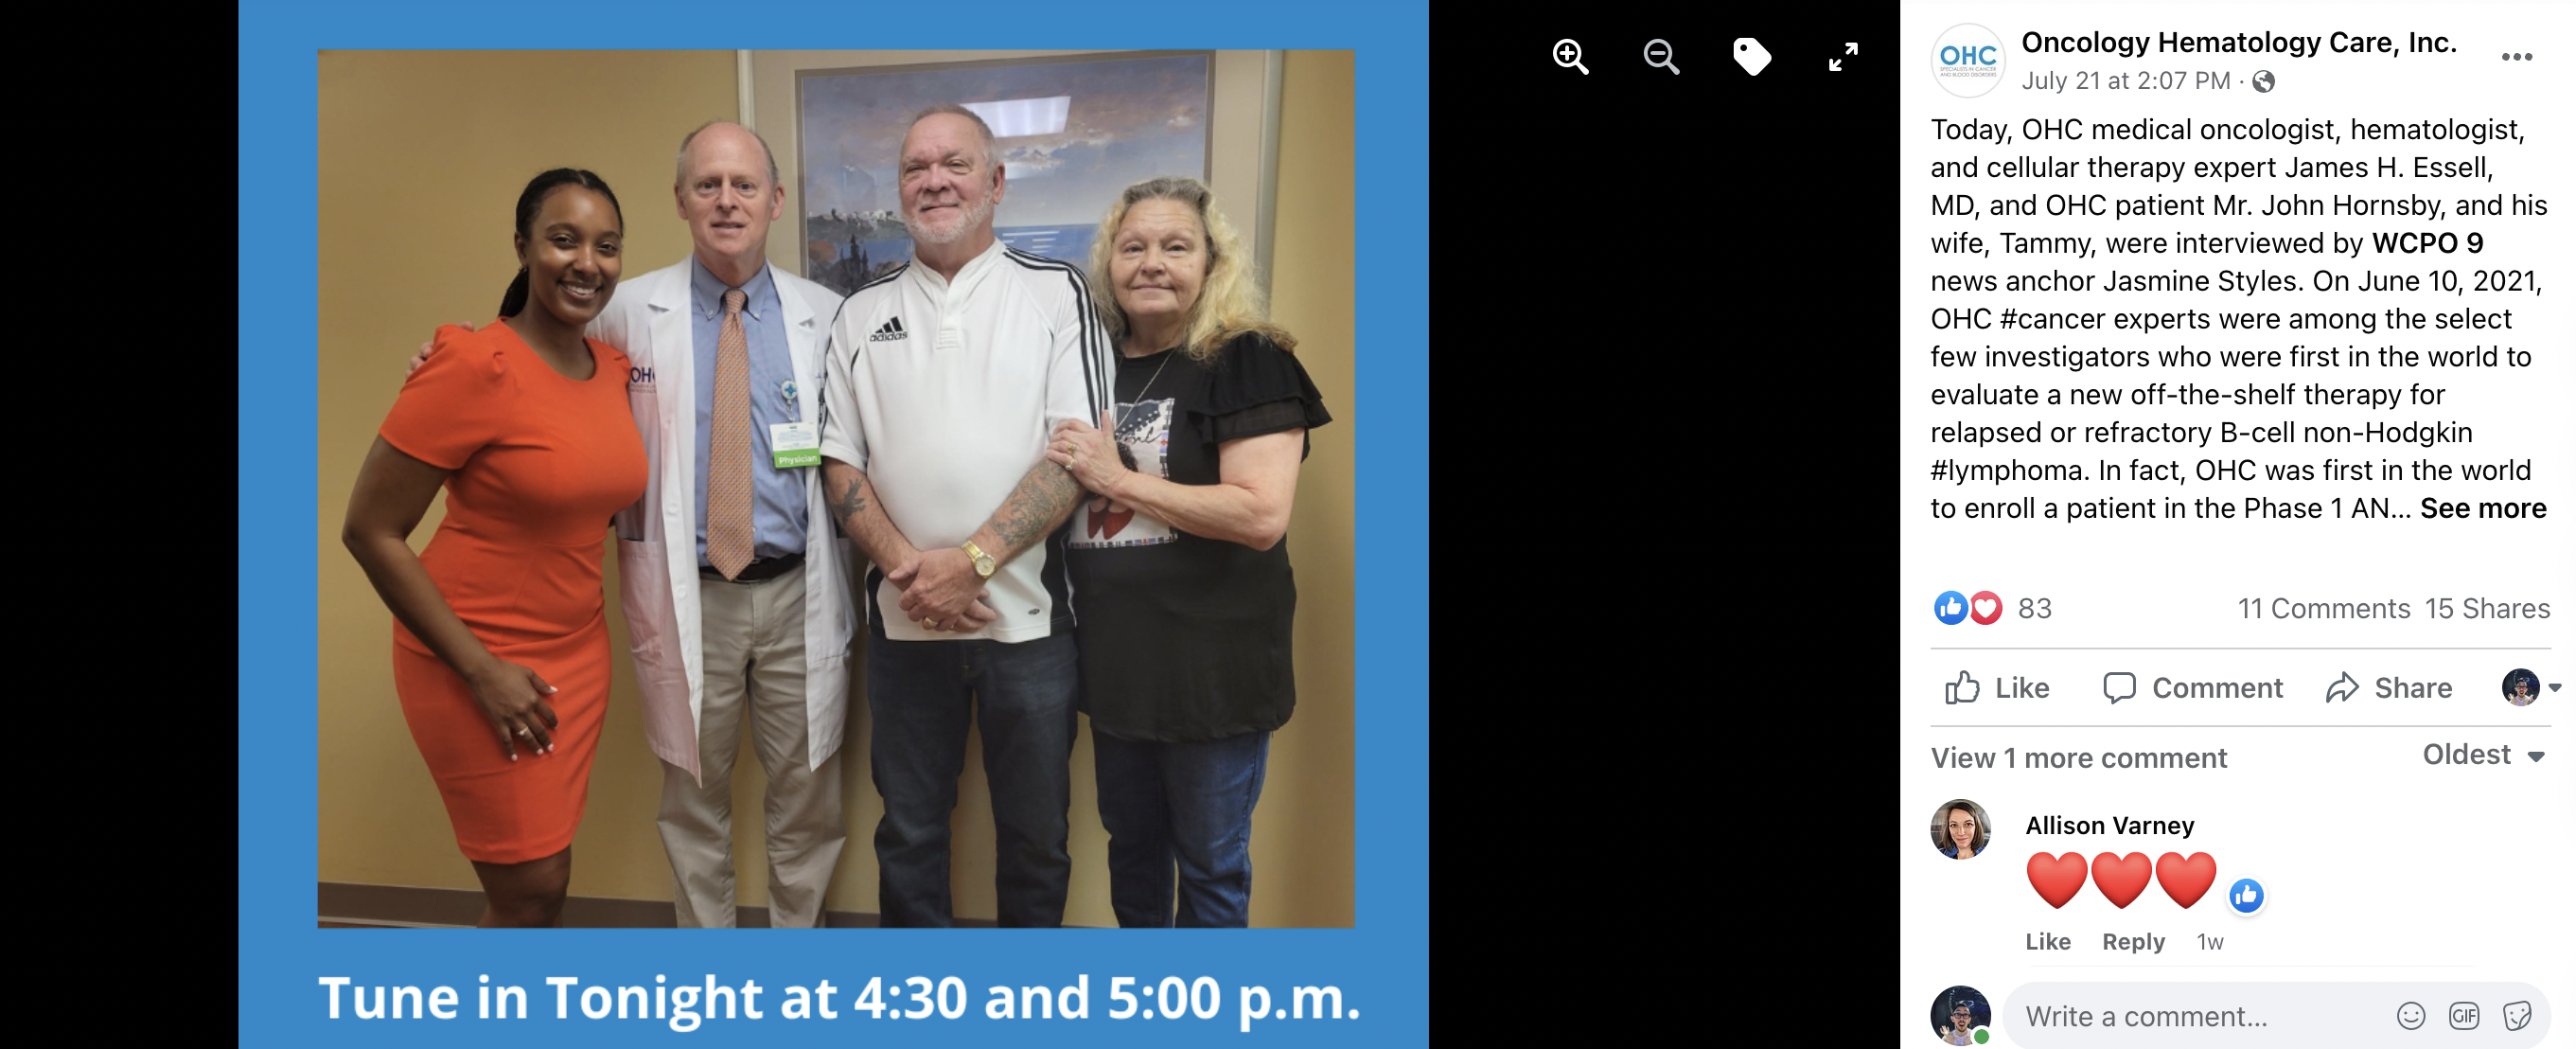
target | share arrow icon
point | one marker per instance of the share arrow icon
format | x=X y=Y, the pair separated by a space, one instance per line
x=2343 y=689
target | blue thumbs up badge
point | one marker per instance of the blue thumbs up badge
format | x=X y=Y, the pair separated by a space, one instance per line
x=1950 y=607
x=2247 y=897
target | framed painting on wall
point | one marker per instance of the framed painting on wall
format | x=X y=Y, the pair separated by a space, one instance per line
x=1071 y=132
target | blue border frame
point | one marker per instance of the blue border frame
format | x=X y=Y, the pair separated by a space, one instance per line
x=1382 y=966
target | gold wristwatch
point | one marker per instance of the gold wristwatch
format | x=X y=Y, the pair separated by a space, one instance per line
x=984 y=563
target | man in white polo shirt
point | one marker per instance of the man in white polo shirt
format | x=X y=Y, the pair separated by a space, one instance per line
x=945 y=379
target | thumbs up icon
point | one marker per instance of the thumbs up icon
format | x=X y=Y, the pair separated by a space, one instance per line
x=1963 y=690
x=1950 y=607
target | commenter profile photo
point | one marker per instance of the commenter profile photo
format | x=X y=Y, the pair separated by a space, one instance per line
x=1960 y=829
x=2521 y=688
x=1960 y=1016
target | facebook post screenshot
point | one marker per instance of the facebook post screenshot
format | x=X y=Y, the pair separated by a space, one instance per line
x=2237 y=517
x=933 y=556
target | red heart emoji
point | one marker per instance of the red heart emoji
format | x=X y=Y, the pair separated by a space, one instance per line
x=2186 y=880
x=2121 y=878
x=2057 y=877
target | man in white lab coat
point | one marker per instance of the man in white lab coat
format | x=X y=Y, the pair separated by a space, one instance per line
x=736 y=589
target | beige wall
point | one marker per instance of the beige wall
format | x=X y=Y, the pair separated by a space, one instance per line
x=421 y=158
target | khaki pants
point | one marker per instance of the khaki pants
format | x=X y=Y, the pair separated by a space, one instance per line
x=754 y=648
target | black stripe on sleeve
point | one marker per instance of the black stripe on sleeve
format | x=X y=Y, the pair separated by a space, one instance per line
x=896 y=272
x=1095 y=384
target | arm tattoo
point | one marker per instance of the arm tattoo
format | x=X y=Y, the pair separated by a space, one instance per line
x=1042 y=501
x=849 y=502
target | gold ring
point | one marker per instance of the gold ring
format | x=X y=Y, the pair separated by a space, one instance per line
x=929 y=624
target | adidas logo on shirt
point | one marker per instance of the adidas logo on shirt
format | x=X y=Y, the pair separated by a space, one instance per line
x=893 y=330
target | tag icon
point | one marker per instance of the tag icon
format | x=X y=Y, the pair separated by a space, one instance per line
x=1750 y=54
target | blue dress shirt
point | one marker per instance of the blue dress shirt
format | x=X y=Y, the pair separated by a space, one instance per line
x=777 y=496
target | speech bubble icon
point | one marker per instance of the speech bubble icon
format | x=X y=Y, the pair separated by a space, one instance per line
x=2119 y=685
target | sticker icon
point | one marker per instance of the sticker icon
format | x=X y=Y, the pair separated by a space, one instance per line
x=2247 y=898
x=2517 y=1015
x=1950 y=607
x=1985 y=608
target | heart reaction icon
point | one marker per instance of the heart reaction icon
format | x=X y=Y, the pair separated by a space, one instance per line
x=2121 y=878
x=2186 y=880
x=2057 y=877
x=1985 y=608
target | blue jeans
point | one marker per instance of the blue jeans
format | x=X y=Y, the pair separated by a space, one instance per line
x=1180 y=804
x=920 y=696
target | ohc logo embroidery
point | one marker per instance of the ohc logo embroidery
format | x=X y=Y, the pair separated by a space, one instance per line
x=1968 y=60
x=639 y=376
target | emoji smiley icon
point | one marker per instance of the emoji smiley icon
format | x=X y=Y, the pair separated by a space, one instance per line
x=2410 y=1016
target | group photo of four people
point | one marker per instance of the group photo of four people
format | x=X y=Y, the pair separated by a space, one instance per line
x=1021 y=491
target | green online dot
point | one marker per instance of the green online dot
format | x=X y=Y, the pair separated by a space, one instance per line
x=1981 y=1038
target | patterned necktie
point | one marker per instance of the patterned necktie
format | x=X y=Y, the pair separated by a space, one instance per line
x=729 y=449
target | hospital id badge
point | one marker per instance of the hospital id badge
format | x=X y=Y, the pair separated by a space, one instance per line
x=795 y=444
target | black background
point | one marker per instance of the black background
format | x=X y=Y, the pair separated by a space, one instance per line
x=1681 y=293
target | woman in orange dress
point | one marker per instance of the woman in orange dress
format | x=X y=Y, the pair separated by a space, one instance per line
x=501 y=651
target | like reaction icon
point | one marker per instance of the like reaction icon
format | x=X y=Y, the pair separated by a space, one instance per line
x=2246 y=897
x=1985 y=608
x=1963 y=690
x=1950 y=607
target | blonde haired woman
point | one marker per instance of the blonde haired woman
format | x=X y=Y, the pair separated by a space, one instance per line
x=1185 y=590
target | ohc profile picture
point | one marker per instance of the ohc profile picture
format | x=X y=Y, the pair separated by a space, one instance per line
x=1959 y=829
x=1968 y=60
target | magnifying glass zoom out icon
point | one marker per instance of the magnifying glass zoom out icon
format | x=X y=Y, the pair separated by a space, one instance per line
x=1569 y=55
x=1655 y=47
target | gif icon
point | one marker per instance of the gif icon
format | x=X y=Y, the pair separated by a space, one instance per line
x=2464 y=1016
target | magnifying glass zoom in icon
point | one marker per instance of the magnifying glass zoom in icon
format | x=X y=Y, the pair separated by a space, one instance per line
x=1569 y=55
x=1658 y=47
